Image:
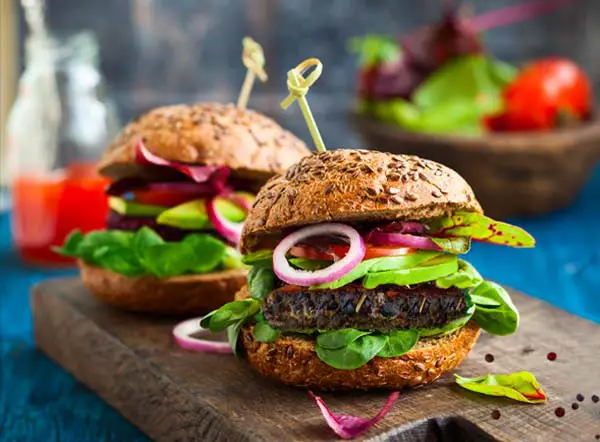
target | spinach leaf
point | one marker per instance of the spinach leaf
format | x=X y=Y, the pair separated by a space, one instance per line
x=259 y=256
x=232 y=259
x=261 y=281
x=145 y=252
x=482 y=228
x=521 y=386
x=309 y=264
x=71 y=245
x=230 y=314
x=500 y=320
x=398 y=342
x=335 y=339
x=94 y=240
x=118 y=259
x=169 y=259
x=263 y=332
x=458 y=245
x=233 y=332
x=482 y=301
x=354 y=355
x=143 y=239
x=465 y=277
x=208 y=252
x=448 y=328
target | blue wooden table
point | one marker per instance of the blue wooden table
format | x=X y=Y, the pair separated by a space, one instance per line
x=41 y=402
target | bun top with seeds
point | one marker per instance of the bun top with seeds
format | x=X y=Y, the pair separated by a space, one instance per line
x=252 y=145
x=355 y=186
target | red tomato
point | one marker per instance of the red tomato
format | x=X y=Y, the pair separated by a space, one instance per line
x=543 y=93
x=339 y=251
x=167 y=198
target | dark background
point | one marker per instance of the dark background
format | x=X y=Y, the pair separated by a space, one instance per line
x=156 y=52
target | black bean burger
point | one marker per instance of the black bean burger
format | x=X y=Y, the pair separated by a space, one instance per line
x=357 y=281
x=183 y=180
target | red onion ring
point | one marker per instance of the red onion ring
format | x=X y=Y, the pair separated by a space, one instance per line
x=350 y=427
x=182 y=335
x=238 y=200
x=231 y=231
x=199 y=174
x=287 y=273
x=401 y=239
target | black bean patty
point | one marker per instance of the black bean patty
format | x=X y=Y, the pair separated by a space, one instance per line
x=384 y=308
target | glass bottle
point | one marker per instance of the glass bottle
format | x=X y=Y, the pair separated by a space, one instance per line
x=59 y=125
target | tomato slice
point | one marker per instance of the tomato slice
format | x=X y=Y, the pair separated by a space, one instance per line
x=166 y=198
x=339 y=251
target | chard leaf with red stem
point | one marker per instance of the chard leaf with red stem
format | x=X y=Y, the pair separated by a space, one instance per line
x=481 y=228
x=521 y=386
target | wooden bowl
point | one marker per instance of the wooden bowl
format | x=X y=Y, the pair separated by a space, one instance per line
x=511 y=174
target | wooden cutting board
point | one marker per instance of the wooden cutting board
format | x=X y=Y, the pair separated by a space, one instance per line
x=175 y=395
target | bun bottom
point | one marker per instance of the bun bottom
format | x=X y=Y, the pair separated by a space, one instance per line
x=293 y=361
x=190 y=295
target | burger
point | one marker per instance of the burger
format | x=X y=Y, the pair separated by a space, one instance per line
x=183 y=178
x=357 y=280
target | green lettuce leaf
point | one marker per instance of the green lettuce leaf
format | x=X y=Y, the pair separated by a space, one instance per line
x=521 y=386
x=478 y=79
x=374 y=49
x=452 y=100
x=494 y=310
x=465 y=277
x=482 y=228
x=398 y=342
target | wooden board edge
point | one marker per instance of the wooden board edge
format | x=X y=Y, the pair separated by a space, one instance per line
x=103 y=364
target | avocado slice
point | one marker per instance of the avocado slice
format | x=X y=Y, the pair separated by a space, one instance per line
x=192 y=215
x=125 y=207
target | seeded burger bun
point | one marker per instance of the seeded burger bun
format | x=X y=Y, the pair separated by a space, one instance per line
x=252 y=145
x=354 y=186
